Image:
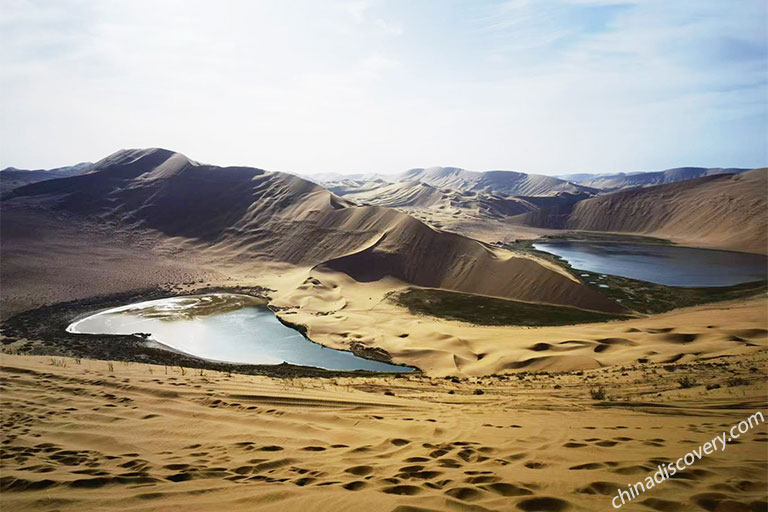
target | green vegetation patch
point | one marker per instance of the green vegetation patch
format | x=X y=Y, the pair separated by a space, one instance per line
x=480 y=310
x=642 y=296
x=649 y=298
x=596 y=236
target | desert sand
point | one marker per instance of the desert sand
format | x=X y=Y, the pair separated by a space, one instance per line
x=93 y=435
x=499 y=418
x=725 y=211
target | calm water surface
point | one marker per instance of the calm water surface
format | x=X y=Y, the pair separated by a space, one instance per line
x=668 y=265
x=223 y=327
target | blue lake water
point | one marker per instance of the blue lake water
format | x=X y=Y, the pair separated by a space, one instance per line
x=223 y=327
x=668 y=265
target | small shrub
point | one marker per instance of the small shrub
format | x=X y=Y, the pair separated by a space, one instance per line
x=686 y=382
x=713 y=386
x=597 y=393
x=479 y=392
x=737 y=381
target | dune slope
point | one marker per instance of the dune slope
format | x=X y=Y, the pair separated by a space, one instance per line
x=621 y=180
x=247 y=213
x=503 y=183
x=82 y=435
x=723 y=211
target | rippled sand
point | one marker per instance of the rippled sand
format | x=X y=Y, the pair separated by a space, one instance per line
x=82 y=436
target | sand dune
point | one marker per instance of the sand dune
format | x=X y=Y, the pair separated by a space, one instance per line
x=482 y=215
x=499 y=183
x=502 y=183
x=81 y=435
x=501 y=418
x=721 y=211
x=11 y=178
x=154 y=218
x=611 y=182
x=245 y=213
x=419 y=196
x=338 y=311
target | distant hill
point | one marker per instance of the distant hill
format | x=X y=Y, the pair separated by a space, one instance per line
x=719 y=210
x=458 y=200
x=245 y=213
x=611 y=182
x=11 y=177
x=500 y=183
x=329 y=177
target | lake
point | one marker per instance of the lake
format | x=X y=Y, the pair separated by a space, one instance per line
x=662 y=264
x=223 y=327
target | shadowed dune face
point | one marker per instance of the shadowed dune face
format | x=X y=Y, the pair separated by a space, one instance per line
x=458 y=263
x=254 y=214
x=724 y=211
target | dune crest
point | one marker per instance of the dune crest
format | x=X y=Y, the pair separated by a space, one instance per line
x=721 y=211
x=243 y=212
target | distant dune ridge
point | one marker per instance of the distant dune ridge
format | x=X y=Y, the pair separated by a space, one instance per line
x=502 y=183
x=11 y=178
x=254 y=214
x=419 y=195
x=247 y=214
x=152 y=218
x=499 y=183
x=726 y=211
x=611 y=182
x=499 y=205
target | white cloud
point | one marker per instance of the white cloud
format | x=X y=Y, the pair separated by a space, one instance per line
x=384 y=86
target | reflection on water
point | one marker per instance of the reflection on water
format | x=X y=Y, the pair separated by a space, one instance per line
x=668 y=265
x=223 y=327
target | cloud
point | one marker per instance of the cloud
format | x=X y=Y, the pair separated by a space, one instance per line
x=383 y=86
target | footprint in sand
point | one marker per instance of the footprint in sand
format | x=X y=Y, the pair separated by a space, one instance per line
x=482 y=479
x=662 y=505
x=543 y=504
x=588 y=466
x=604 y=488
x=464 y=493
x=359 y=470
x=505 y=489
x=402 y=490
x=679 y=337
x=354 y=486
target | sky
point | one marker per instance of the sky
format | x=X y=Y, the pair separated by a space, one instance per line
x=543 y=86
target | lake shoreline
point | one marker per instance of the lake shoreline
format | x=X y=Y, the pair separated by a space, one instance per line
x=675 y=266
x=44 y=330
x=228 y=328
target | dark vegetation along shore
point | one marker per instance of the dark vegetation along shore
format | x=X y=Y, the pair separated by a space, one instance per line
x=640 y=296
x=42 y=331
x=479 y=310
